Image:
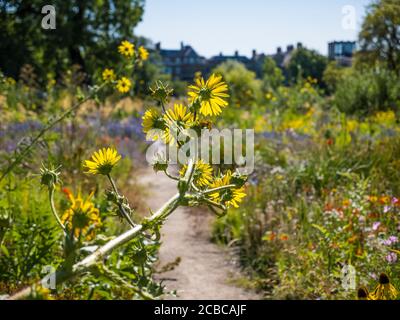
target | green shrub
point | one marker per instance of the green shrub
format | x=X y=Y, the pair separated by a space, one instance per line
x=367 y=91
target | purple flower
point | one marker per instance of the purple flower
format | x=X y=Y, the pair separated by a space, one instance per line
x=386 y=209
x=395 y=200
x=375 y=226
x=393 y=239
x=391 y=257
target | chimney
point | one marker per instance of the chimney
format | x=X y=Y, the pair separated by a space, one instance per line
x=289 y=48
x=158 y=46
x=220 y=54
x=236 y=53
x=254 y=54
x=299 y=45
x=182 y=45
x=279 y=50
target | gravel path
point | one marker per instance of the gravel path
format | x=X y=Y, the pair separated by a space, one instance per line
x=205 y=268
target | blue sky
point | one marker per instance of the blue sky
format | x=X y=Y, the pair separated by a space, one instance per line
x=213 y=26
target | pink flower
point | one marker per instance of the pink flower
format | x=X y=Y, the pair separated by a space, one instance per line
x=375 y=226
x=393 y=239
x=391 y=257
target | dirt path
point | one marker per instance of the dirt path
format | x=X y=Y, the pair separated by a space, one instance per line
x=205 y=269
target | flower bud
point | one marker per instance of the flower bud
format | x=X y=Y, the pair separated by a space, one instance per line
x=49 y=176
x=161 y=92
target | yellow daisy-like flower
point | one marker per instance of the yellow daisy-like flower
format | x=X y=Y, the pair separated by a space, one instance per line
x=178 y=116
x=384 y=290
x=230 y=197
x=152 y=122
x=210 y=94
x=108 y=75
x=127 y=49
x=82 y=217
x=103 y=161
x=123 y=85
x=202 y=175
x=143 y=53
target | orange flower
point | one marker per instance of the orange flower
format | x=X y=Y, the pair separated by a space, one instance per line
x=284 y=237
x=270 y=236
x=384 y=200
x=352 y=239
x=346 y=202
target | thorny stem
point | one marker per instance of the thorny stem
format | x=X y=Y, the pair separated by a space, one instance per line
x=229 y=186
x=215 y=204
x=54 y=211
x=170 y=176
x=49 y=126
x=84 y=265
x=120 y=207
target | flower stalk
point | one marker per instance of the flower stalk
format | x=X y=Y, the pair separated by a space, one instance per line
x=87 y=263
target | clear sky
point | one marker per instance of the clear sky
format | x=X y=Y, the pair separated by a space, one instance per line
x=213 y=26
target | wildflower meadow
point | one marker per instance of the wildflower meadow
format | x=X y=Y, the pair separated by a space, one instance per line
x=287 y=170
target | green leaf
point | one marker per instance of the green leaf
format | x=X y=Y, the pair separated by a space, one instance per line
x=5 y=250
x=321 y=229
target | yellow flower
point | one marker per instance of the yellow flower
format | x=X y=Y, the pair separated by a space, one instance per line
x=108 y=75
x=123 y=85
x=103 y=161
x=127 y=49
x=10 y=81
x=143 y=53
x=82 y=217
x=202 y=175
x=211 y=95
x=384 y=290
x=178 y=116
x=153 y=120
x=229 y=197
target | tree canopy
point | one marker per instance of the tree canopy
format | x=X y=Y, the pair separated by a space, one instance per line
x=84 y=29
x=306 y=63
x=379 y=38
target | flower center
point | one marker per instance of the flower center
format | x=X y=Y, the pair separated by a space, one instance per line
x=205 y=94
x=80 y=220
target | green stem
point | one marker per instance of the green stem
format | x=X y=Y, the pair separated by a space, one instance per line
x=51 y=125
x=215 y=204
x=229 y=186
x=54 y=211
x=84 y=265
x=170 y=176
x=120 y=207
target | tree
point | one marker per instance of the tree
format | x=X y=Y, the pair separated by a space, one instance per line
x=273 y=76
x=306 y=63
x=85 y=30
x=334 y=74
x=379 y=38
x=244 y=88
